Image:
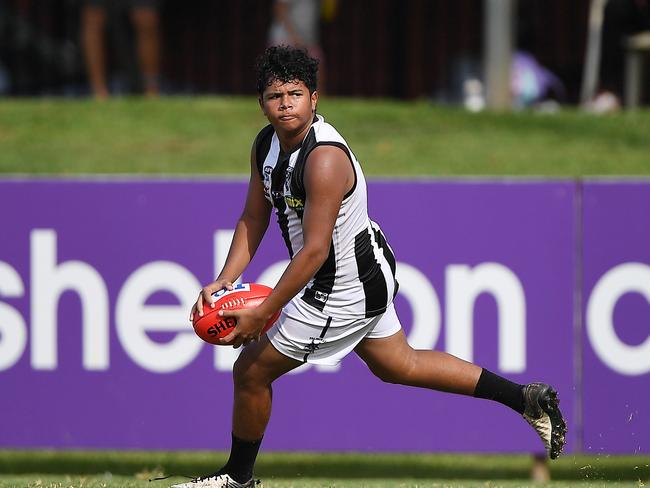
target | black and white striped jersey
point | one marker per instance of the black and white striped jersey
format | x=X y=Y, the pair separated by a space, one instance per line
x=358 y=277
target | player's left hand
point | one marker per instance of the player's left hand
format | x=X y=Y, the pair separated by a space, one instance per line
x=250 y=323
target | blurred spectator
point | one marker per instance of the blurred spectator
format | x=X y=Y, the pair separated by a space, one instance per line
x=531 y=83
x=296 y=23
x=622 y=19
x=145 y=19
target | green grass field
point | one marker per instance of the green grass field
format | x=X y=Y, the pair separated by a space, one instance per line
x=109 y=469
x=213 y=136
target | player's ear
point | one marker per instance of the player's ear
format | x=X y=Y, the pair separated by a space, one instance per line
x=261 y=102
x=314 y=100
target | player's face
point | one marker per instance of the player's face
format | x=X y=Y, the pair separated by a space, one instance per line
x=289 y=107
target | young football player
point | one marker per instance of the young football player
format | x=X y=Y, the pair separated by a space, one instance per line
x=336 y=294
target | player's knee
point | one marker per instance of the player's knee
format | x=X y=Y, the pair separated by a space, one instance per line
x=248 y=374
x=395 y=372
x=387 y=376
x=390 y=374
x=242 y=373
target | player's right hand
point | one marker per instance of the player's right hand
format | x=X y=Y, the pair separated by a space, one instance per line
x=205 y=296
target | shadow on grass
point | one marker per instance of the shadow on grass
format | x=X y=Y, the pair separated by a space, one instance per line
x=341 y=465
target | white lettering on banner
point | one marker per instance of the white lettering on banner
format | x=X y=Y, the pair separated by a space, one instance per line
x=463 y=286
x=13 y=331
x=134 y=318
x=49 y=281
x=622 y=358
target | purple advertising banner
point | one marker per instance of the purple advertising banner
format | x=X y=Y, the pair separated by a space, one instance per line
x=616 y=297
x=97 y=279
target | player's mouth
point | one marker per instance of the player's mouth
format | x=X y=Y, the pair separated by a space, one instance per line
x=287 y=117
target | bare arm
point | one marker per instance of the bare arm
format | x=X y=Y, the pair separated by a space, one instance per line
x=249 y=232
x=328 y=176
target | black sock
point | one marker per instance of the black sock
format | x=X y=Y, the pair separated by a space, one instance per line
x=242 y=459
x=499 y=389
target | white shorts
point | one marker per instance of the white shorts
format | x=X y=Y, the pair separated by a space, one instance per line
x=310 y=337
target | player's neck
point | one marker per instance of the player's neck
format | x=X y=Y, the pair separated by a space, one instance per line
x=289 y=141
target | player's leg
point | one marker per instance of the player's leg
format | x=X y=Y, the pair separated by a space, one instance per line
x=393 y=360
x=255 y=370
x=257 y=367
x=146 y=21
x=93 y=23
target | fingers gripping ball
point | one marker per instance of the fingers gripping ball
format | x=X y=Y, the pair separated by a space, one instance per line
x=211 y=326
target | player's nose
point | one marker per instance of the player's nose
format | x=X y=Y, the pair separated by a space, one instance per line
x=285 y=102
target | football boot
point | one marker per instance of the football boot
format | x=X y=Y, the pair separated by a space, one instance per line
x=542 y=412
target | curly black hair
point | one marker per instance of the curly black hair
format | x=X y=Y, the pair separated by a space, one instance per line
x=285 y=64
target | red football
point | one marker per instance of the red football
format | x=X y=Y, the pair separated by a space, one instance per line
x=211 y=326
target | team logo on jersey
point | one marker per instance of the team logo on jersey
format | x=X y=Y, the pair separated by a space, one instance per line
x=267 y=180
x=294 y=203
x=314 y=345
x=287 y=180
x=321 y=296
